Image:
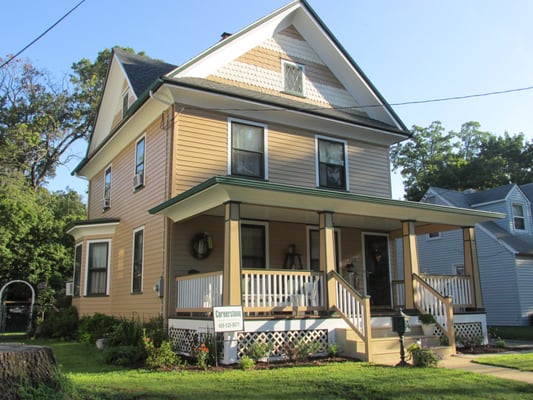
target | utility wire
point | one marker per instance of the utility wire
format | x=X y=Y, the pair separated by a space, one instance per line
x=42 y=34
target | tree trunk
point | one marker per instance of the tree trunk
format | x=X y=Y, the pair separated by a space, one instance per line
x=25 y=365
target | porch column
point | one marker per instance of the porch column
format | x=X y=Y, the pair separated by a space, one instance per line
x=471 y=264
x=327 y=253
x=232 y=293
x=410 y=261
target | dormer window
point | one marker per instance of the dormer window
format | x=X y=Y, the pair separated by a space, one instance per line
x=293 y=77
x=519 y=220
x=125 y=104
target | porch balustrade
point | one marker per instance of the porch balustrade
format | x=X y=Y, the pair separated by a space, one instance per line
x=457 y=287
x=280 y=290
x=262 y=290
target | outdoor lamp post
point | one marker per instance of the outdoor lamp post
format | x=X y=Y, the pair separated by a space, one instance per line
x=400 y=325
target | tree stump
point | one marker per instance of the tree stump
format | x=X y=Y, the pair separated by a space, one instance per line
x=25 y=365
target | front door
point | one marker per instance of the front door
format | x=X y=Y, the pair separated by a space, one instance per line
x=377 y=270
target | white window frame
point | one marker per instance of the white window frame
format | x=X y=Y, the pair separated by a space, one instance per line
x=437 y=237
x=107 y=193
x=108 y=275
x=133 y=260
x=317 y=162
x=125 y=97
x=142 y=137
x=267 y=234
x=456 y=267
x=301 y=67
x=80 y=246
x=523 y=217
x=265 y=144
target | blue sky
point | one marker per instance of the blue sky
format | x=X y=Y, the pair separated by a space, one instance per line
x=411 y=49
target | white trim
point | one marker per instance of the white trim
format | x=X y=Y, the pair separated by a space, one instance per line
x=90 y=229
x=266 y=225
x=455 y=266
x=80 y=244
x=141 y=137
x=104 y=197
x=317 y=160
x=231 y=120
x=108 y=272
x=301 y=67
x=429 y=238
x=141 y=228
x=523 y=216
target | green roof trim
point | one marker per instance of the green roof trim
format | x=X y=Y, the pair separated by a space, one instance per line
x=323 y=193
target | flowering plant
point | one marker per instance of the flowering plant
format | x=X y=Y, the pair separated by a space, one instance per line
x=202 y=355
x=159 y=357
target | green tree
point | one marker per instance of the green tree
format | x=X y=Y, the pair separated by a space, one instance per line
x=470 y=158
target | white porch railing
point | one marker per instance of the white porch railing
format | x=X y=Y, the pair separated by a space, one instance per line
x=455 y=286
x=428 y=300
x=265 y=290
x=198 y=292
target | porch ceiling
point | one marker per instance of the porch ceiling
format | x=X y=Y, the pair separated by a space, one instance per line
x=276 y=202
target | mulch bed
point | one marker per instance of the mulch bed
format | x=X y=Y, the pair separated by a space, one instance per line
x=488 y=349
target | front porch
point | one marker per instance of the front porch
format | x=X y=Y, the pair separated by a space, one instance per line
x=350 y=281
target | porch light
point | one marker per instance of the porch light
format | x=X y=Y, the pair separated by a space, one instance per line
x=400 y=325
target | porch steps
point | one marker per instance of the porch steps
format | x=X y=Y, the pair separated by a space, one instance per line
x=386 y=344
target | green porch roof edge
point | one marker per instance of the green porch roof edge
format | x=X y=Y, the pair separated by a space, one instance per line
x=300 y=190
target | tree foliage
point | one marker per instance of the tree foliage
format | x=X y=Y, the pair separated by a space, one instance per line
x=470 y=158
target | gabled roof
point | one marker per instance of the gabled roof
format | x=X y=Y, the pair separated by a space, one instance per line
x=520 y=244
x=141 y=71
x=471 y=198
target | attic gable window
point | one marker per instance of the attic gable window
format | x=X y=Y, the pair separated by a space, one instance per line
x=518 y=217
x=125 y=104
x=293 y=77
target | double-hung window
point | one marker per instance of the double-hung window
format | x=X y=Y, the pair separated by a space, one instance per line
x=97 y=268
x=77 y=269
x=519 y=220
x=137 y=269
x=248 y=149
x=106 y=202
x=314 y=249
x=331 y=163
x=253 y=246
x=138 y=179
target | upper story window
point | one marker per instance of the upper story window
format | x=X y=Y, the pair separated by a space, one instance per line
x=106 y=201
x=125 y=103
x=77 y=269
x=138 y=259
x=331 y=163
x=97 y=268
x=519 y=221
x=293 y=77
x=253 y=245
x=248 y=149
x=138 y=179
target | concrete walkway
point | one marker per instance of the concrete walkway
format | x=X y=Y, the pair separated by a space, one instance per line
x=464 y=362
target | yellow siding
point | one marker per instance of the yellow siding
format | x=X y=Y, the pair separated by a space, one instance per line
x=132 y=209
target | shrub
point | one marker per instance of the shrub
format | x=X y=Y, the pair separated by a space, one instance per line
x=162 y=357
x=259 y=350
x=470 y=341
x=126 y=356
x=427 y=319
x=246 y=363
x=95 y=327
x=302 y=350
x=125 y=333
x=500 y=343
x=155 y=329
x=60 y=324
x=333 y=349
x=202 y=356
x=422 y=357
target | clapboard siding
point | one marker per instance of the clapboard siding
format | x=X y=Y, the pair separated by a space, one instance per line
x=132 y=209
x=438 y=256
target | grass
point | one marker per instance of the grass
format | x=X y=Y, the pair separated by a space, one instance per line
x=83 y=366
x=522 y=361
x=512 y=332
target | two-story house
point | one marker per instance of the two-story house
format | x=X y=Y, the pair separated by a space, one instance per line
x=505 y=249
x=256 y=175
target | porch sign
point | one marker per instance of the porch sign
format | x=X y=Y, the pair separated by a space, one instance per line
x=228 y=319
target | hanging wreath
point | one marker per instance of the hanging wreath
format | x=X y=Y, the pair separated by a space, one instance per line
x=201 y=245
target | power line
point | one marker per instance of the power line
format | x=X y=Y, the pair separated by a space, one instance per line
x=42 y=34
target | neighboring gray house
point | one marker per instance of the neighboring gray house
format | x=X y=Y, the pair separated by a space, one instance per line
x=504 y=247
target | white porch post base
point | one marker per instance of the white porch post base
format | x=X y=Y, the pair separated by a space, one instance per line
x=229 y=355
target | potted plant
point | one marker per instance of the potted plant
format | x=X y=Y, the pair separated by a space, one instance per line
x=428 y=324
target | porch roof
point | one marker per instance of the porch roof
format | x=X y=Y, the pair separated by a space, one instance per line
x=288 y=203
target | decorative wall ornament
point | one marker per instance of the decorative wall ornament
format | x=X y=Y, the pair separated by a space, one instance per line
x=201 y=245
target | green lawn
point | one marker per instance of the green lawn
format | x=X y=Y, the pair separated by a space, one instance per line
x=349 y=380
x=523 y=361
